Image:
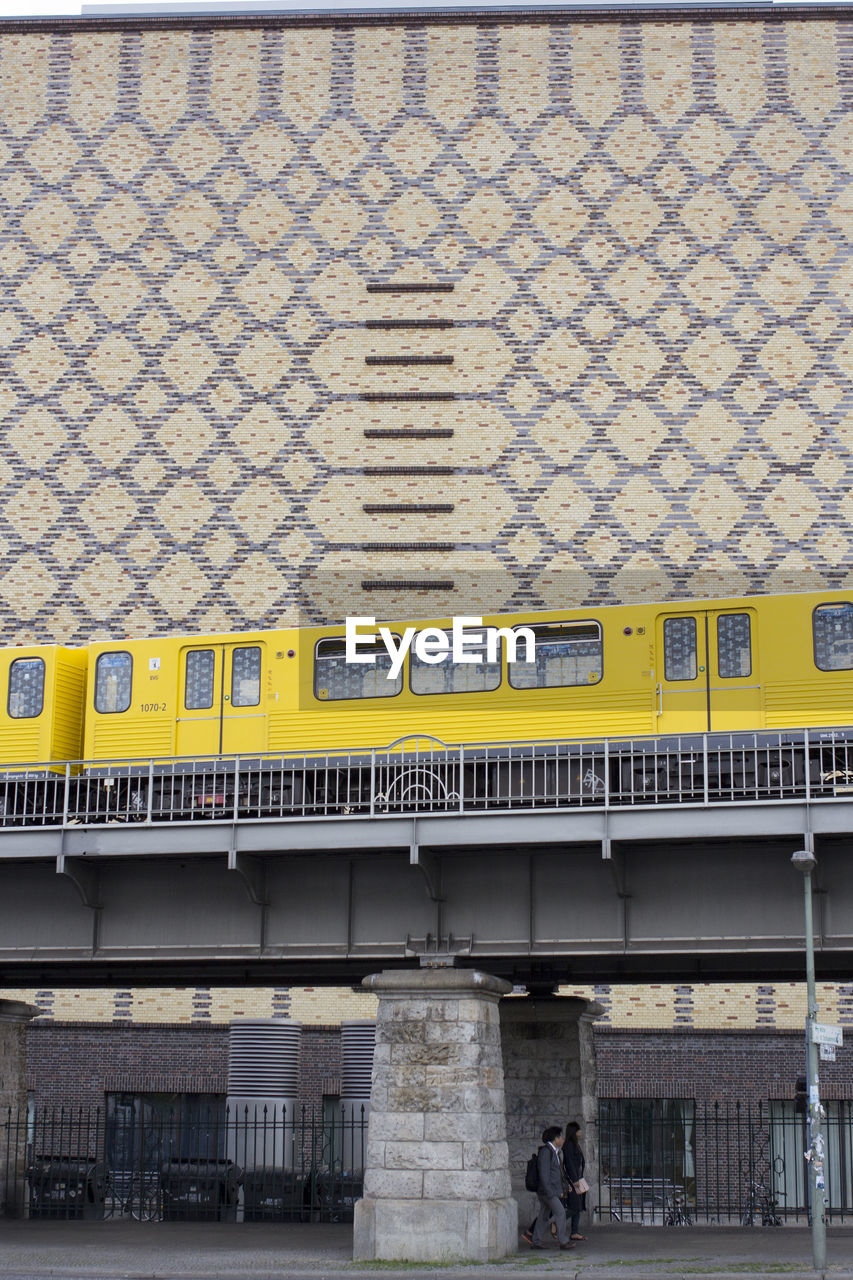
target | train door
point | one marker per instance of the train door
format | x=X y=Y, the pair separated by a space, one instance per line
x=220 y=711
x=734 y=688
x=707 y=677
x=682 y=673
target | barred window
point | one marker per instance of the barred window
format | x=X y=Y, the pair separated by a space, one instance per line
x=335 y=678
x=567 y=653
x=246 y=677
x=833 y=636
x=26 y=688
x=198 y=685
x=647 y=1153
x=448 y=676
x=734 y=646
x=679 y=649
x=113 y=682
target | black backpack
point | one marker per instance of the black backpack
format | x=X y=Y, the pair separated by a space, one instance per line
x=531 y=1177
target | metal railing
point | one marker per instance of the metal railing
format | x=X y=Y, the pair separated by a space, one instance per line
x=674 y=1162
x=259 y=1164
x=422 y=775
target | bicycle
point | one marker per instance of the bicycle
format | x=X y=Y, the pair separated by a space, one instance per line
x=137 y=1194
x=677 y=1212
x=761 y=1204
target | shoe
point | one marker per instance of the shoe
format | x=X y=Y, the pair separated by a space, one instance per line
x=577 y=1237
x=569 y=1245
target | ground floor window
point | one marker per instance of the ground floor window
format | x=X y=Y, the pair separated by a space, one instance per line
x=144 y=1130
x=647 y=1157
x=788 y=1141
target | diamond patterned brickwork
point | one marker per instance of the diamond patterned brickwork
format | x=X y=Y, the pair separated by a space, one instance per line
x=710 y=1005
x=646 y=386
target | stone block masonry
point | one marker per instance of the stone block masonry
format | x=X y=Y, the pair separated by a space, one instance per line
x=14 y=1016
x=549 y=1078
x=436 y=1182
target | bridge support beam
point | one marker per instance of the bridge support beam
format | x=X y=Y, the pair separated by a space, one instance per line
x=549 y=1078
x=14 y=1016
x=436 y=1182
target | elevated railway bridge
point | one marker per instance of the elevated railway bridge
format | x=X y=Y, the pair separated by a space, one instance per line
x=541 y=862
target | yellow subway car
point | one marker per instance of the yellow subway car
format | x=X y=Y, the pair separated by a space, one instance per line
x=43 y=696
x=41 y=723
x=211 y=713
x=259 y=722
x=717 y=665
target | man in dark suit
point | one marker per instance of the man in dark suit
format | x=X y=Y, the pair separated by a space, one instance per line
x=550 y=1191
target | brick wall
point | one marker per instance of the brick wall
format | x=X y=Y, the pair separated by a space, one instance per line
x=724 y=1066
x=320 y=1072
x=646 y=225
x=75 y=1064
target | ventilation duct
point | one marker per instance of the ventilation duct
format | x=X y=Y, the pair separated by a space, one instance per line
x=263 y=1085
x=357 y=1044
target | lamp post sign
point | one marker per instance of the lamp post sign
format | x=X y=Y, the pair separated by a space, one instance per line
x=826 y=1033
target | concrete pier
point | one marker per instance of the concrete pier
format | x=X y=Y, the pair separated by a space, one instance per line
x=549 y=1078
x=437 y=1181
x=14 y=1016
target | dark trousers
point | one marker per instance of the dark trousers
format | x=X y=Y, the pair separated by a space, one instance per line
x=550 y=1207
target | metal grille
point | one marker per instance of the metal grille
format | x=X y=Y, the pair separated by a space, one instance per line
x=252 y=1164
x=674 y=1162
x=422 y=775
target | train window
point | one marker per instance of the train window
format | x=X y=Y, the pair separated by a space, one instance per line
x=833 y=637
x=567 y=653
x=26 y=688
x=335 y=678
x=246 y=677
x=734 y=647
x=198 y=683
x=449 y=677
x=113 y=682
x=679 y=649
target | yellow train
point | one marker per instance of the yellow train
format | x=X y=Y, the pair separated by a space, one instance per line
x=617 y=672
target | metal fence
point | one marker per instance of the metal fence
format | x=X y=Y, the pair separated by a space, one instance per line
x=422 y=775
x=244 y=1165
x=675 y=1162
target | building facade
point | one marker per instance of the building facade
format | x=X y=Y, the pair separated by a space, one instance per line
x=269 y=286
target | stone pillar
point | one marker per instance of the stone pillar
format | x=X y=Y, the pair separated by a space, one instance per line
x=549 y=1078
x=14 y=1016
x=436 y=1181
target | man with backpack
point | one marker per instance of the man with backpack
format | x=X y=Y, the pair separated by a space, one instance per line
x=549 y=1188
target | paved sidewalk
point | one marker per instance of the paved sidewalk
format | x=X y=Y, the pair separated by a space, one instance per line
x=225 y=1251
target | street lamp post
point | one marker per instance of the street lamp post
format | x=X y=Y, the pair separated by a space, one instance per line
x=805 y=861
